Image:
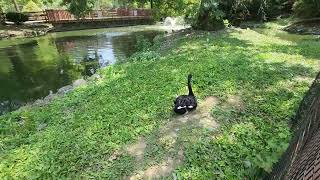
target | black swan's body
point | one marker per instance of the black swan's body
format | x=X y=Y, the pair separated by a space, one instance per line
x=185 y=103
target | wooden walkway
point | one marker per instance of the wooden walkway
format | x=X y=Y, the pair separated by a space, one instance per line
x=63 y=20
x=63 y=16
x=98 y=15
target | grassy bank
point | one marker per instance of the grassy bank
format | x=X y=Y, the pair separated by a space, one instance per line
x=258 y=78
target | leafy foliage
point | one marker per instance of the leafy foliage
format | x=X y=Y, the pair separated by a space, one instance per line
x=236 y=11
x=253 y=9
x=143 y=44
x=31 y=7
x=210 y=16
x=79 y=8
x=17 y=18
x=307 y=8
x=165 y=8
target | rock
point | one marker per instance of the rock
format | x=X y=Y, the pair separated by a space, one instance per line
x=41 y=126
x=39 y=101
x=96 y=77
x=65 y=89
x=21 y=122
x=169 y=21
x=41 y=33
x=48 y=98
x=79 y=82
x=247 y=164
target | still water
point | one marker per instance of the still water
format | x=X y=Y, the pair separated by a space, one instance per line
x=31 y=68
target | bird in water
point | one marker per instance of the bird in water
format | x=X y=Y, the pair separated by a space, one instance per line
x=185 y=103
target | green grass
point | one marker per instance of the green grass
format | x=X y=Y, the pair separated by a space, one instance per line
x=268 y=69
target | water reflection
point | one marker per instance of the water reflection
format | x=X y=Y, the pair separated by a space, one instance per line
x=29 y=71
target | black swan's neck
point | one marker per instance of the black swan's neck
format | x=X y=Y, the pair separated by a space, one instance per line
x=189 y=85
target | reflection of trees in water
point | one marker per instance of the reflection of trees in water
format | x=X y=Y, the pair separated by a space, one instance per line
x=125 y=46
x=37 y=68
x=11 y=85
x=90 y=64
x=105 y=48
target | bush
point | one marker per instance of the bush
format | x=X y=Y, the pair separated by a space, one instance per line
x=145 y=56
x=307 y=8
x=143 y=44
x=17 y=18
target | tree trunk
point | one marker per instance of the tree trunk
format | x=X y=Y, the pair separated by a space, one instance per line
x=151 y=4
x=1 y=16
x=205 y=21
x=16 y=6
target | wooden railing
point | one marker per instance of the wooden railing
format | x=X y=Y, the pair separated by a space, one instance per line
x=37 y=16
x=64 y=15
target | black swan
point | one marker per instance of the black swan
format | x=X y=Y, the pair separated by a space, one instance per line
x=185 y=103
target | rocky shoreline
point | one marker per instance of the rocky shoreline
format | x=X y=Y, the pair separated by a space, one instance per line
x=305 y=27
x=64 y=90
x=23 y=31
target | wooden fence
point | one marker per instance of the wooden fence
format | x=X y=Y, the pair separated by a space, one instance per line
x=301 y=159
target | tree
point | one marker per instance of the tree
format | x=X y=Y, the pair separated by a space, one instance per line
x=1 y=16
x=31 y=7
x=209 y=17
x=165 y=8
x=79 y=8
x=307 y=8
x=16 y=6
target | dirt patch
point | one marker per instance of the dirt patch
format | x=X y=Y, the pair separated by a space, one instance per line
x=235 y=102
x=138 y=149
x=164 y=169
x=170 y=137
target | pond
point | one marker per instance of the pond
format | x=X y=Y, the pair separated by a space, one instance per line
x=32 y=68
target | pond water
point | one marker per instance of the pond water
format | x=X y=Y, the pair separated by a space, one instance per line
x=31 y=68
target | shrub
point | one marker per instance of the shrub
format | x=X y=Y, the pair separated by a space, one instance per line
x=145 y=56
x=307 y=8
x=143 y=44
x=17 y=18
